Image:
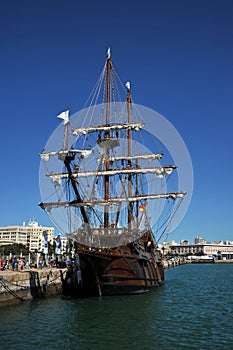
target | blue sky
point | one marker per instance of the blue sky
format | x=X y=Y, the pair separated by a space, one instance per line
x=179 y=57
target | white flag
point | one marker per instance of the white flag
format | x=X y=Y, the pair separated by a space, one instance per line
x=128 y=85
x=109 y=53
x=64 y=116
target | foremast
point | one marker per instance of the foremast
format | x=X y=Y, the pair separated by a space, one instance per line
x=68 y=157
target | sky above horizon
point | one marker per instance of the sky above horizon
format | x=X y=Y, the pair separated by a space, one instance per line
x=178 y=56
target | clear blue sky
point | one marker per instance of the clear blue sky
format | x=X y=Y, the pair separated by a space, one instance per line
x=178 y=55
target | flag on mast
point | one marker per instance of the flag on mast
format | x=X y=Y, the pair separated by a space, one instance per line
x=142 y=207
x=128 y=85
x=109 y=53
x=64 y=116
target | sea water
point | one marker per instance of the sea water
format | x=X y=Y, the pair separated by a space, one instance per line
x=193 y=310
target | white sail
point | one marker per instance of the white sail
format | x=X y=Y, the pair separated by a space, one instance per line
x=84 y=153
x=114 y=200
x=159 y=171
x=99 y=128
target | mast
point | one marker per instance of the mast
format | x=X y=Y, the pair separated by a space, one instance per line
x=137 y=205
x=130 y=208
x=67 y=161
x=66 y=136
x=106 y=136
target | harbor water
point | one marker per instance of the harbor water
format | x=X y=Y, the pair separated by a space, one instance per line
x=193 y=310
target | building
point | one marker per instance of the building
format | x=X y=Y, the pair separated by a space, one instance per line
x=31 y=235
x=217 y=249
x=13 y=234
x=199 y=240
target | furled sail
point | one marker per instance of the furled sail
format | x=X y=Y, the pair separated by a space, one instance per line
x=159 y=172
x=113 y=200
x=84 y=153
x=137 y=156
x=99 y=128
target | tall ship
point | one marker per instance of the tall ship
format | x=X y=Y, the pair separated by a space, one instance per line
x=101 y=181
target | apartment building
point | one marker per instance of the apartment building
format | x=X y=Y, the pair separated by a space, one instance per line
x=30 y=235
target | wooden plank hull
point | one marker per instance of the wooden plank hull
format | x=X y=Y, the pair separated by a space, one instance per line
x=113 y=272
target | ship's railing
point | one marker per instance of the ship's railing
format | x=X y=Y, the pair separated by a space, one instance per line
x=106 y=237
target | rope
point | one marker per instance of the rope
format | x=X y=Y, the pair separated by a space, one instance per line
x=7 y=288
x=59 y=276
x=169 y=220
x=4 y=285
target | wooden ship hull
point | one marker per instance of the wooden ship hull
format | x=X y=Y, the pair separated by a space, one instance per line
x=128 y=269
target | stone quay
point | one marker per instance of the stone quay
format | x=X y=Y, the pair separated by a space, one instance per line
x=20 y=286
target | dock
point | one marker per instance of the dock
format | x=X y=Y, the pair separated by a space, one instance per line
x=176 y=261
x=20 y=286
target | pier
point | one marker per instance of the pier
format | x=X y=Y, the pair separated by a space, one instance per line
x=19 y=286
x=176 y=261
x=167 y=263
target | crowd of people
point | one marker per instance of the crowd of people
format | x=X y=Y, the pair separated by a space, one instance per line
x=15 y=263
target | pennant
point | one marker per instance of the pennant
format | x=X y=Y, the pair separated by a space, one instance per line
x=64 y=116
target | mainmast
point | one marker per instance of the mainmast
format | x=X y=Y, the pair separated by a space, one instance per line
x=130 y=206
x=106 y=136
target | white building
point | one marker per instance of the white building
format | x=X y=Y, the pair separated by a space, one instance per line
x=210 y=249
x=31 y=235
x=13 y=234
x=199 y=240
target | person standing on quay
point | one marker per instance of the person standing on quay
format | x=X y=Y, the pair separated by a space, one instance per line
x=15 y=264
x=11 y=263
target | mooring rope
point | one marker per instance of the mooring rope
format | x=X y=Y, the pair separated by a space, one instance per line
x=4 y=285
x=12 y=292
x=59 y=276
